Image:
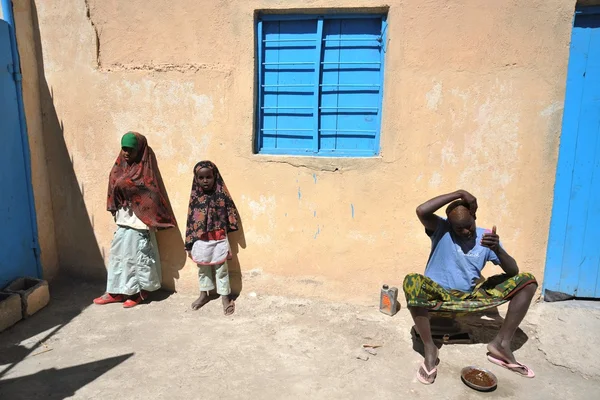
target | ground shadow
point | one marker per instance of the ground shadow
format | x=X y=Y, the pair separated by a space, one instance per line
x=418 y=343
x=482 y=327
x=69 y=297
x=159 y=295
x=57 y=383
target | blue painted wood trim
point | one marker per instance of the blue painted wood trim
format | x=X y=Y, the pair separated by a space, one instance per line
x=301 y=17
x=381 y=84
x=317 y=81
x=259 y=82
x=320 y=154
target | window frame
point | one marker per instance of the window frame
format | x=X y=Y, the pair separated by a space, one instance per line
x=320 y=18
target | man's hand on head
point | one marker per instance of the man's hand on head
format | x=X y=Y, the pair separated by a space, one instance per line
x=470 y=200
x=426 y=211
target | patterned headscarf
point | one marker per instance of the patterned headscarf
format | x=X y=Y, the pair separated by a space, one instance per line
x=136 y=186
x=210 y=211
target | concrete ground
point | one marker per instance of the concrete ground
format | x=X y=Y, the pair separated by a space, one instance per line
x=275 y=348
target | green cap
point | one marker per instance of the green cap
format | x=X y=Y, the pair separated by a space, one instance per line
x=129 y=140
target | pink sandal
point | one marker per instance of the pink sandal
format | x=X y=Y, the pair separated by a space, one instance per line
x=518 y=367
x=431 y=375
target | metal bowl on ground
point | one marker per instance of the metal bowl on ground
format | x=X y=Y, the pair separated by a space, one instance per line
x=479 y=378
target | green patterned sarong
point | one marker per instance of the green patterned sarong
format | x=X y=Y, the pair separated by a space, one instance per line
x=421 y=291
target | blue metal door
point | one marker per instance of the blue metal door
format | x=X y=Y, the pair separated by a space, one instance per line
x=573 y=256
x=18 y=243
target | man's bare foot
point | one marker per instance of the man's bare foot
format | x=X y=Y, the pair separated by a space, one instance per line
x=500 y=354
x=228 y=305
x=501 y=350
x=201 y=301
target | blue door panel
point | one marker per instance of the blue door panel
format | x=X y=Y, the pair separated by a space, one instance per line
x=573 y=257
x=17 y=256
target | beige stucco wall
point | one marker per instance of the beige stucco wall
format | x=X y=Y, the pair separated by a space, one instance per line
x=473 y=99
x=31 y=102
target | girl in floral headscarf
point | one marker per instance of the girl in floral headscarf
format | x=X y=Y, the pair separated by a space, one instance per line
x=139 y=205
x=211 y=216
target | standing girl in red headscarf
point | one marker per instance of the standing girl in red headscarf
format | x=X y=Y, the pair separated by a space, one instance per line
x=212 y=215
x=139 y=205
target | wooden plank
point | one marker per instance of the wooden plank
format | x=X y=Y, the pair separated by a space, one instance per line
x=574 y=256
x=317 y=57
x=588 y=274
x=17 y=236
x=564 y=172
x=298 y=116
x=364 y=68
x=270 y=31
x=329 y=76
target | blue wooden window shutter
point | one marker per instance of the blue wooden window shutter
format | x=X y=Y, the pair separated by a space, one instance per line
x=320 y=84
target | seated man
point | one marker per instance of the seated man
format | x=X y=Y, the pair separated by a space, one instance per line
x=459 y=251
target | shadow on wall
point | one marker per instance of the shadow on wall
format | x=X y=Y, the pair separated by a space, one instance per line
x=78 y=249
x=79 y=253
x=237 y=240
x=170 y=244
x=172 y=256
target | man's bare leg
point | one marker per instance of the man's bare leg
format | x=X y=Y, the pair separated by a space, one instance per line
x=517 y=308
x=421 y=319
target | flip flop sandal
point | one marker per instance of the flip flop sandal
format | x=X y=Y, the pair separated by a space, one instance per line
x=517 y=368
x=431 y=375
x=231 y=307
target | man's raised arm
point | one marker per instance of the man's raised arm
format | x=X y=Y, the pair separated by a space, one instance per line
x=426 y=211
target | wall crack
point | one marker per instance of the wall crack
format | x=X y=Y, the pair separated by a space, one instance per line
x=89 y=17
x=167 y=67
